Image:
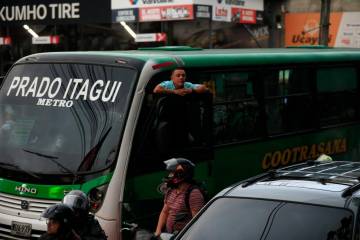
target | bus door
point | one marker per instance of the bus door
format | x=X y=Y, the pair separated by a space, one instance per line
x=169 y=126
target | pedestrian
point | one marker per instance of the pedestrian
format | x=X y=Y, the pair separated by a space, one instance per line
x=182 y=199
x=178 y=85
x=59 y=220
x=85 y=224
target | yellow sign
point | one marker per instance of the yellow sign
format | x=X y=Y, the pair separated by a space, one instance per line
x=302 y=153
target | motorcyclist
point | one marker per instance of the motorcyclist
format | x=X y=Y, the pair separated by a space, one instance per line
x=85 y=224
x=182 y=199
x=59 y=219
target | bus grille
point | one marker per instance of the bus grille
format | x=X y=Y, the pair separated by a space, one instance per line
x=22 y=206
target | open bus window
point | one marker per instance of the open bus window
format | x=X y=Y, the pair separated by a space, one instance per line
x=172 y=126
x=168 y=126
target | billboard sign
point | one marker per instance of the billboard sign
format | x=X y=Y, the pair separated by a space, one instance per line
x=241 y=15
x=220 y=10
x=166 y=13
x=55 y=39
x=303 y=29
x=53 y=11
x=150 y=37
x=202 y=11
x=126 y=15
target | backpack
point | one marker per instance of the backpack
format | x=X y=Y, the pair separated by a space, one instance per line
x=190 y=189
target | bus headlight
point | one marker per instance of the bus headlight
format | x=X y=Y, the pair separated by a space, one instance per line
x=96 y=197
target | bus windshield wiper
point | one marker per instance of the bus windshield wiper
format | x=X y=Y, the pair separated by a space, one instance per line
x=88 y=161
x=53 y=159
x=3 y=164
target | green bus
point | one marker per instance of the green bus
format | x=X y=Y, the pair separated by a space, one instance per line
x=90 y=121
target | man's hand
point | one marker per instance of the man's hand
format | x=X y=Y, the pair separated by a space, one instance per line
x=182 y=91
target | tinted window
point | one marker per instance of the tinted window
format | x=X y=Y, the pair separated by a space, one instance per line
x=288 y=102
x=63 y=117
x=312 y=223
x=337 y=89
x=233 y=218
x=236 y=111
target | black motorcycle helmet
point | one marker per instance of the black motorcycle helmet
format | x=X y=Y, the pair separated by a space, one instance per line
x=175 y=176
x=78 y=201
x=61 y=213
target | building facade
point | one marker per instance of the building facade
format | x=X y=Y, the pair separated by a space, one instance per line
x=80 y=25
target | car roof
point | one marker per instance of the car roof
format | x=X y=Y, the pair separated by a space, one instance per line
x=329 y=183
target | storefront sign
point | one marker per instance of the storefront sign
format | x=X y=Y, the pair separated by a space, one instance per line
x=221 y=13
x=151 y=37
x=202 y=11
x=150 y=10
x=240 y=15
x=5 y=40
x=303 y=29
x=246 y=4
x=54 y=11
x=168 y=13
x=121 y=4
x=126 y=15
x=46 y=40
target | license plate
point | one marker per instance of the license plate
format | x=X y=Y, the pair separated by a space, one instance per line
x=21 y=229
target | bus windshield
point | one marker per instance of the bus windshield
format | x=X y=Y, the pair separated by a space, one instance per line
x=62 y=119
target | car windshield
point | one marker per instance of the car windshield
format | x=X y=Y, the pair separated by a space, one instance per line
x=252 y=219
x=62 y=118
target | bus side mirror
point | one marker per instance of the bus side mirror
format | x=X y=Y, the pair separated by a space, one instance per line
x=1 y=78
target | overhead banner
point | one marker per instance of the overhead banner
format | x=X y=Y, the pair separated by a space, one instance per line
x=54 y=11
x=242 y=11
x=166 y=13
x=202 y=11
x=303 y=29
x=55 y=39
x=126 y=15
x=150 y=37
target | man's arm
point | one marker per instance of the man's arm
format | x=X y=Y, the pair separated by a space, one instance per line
x=200 y=88
x=162 y=219
x=162 y=90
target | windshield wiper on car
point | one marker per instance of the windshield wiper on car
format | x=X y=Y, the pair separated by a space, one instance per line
x=53 y=159
x=14 y=166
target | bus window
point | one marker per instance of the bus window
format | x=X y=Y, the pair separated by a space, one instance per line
x=288 y=102
x=337 y=90
x=236 y=111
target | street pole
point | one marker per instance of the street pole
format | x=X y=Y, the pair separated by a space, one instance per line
x=324 y=22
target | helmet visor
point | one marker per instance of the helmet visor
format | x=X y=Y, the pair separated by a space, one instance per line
x=75 y=202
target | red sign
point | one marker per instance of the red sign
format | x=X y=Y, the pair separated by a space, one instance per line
x=160 y=37
x=150 y=37
x=55 y=39
x=5 y=40
x=241 y=15
x=166 y=13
